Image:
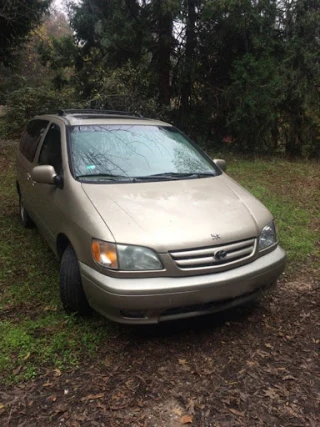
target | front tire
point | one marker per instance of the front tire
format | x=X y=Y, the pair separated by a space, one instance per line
x=72 y=294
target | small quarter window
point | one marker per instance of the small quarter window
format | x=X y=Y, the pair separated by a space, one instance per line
x=31 y=138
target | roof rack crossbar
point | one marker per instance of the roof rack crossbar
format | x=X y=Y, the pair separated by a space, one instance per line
x=98 y=111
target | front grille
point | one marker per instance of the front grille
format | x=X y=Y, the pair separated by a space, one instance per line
x=215 y=257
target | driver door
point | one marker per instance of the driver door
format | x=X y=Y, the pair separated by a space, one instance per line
x=48 y=199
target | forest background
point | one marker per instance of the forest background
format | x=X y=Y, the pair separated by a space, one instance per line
x=235 y=74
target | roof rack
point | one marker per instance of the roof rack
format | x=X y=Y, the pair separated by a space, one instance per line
x=98 y=111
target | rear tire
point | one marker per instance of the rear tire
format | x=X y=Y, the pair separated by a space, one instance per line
x=25 y=219
x=72 y=294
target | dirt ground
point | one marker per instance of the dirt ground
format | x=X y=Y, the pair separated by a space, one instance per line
x=252 y=366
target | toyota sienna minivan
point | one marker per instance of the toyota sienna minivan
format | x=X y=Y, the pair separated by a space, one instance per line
x=146 y=226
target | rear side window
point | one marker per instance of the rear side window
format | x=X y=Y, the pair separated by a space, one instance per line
x=31 y=137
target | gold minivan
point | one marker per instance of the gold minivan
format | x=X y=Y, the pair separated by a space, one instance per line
x=147 y=227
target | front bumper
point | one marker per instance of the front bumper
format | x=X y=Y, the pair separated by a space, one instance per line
x=152 y=300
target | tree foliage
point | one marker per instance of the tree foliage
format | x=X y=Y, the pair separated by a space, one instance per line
x=17 y=19
x=242 y=72
x=26 y=102
x=30 y=86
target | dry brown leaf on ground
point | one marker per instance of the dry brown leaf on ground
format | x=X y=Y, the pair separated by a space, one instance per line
x=57 y=372
x=271 y=393
x=289 y=377
x=177 y=411
x=17 y=370
x=235 y=412
x=190 y=406
x=92 y=397
x=186 y=419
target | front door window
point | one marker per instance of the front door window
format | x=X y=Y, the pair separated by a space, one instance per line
x=51 y=149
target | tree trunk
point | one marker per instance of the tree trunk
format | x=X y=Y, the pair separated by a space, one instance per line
x=164 y=51
x=189 y=59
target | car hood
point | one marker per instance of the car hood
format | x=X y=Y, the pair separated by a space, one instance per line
x=170 y=215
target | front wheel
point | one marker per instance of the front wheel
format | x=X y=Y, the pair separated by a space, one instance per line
x=72 y=295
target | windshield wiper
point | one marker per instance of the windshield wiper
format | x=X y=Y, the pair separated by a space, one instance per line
x=167 y=176
x=106 y=176
x=174 y=175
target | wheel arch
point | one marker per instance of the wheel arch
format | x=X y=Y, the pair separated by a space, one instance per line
x=62 y=243
x=18 y=188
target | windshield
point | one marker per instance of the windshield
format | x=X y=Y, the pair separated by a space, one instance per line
x=135 y=152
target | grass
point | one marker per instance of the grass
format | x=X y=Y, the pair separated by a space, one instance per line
x=36 y=335
x=291 y=191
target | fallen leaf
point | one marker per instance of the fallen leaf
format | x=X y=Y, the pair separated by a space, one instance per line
x=288 y=377
x=1 y=405
x=57 y=372
x=288 y=408
x=140 y=403
x=252 y=363
x=80 y=417
x=182 y=362
x=268 y=345
x=271 y=393
x=177 y=411
x=244 y=396
x=235 y=412
x=50 y=308
x=262 y=353
x=190 y=406
x=118 y=396
x=130 y=384
x=92 y=397
x=26 y=357
x=186 y=419
x=17 y=370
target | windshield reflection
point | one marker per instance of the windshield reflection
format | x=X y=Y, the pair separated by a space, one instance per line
x=114 y=152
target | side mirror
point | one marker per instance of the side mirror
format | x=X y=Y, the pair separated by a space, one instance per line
x=44 y=174
x=221 y=164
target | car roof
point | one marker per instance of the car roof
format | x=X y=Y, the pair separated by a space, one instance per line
x=91 y=117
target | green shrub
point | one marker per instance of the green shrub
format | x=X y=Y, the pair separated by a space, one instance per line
x=23 y=104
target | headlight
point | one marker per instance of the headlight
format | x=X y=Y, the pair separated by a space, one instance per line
x=268 y=236
x=125 y=257
x=137 y=258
